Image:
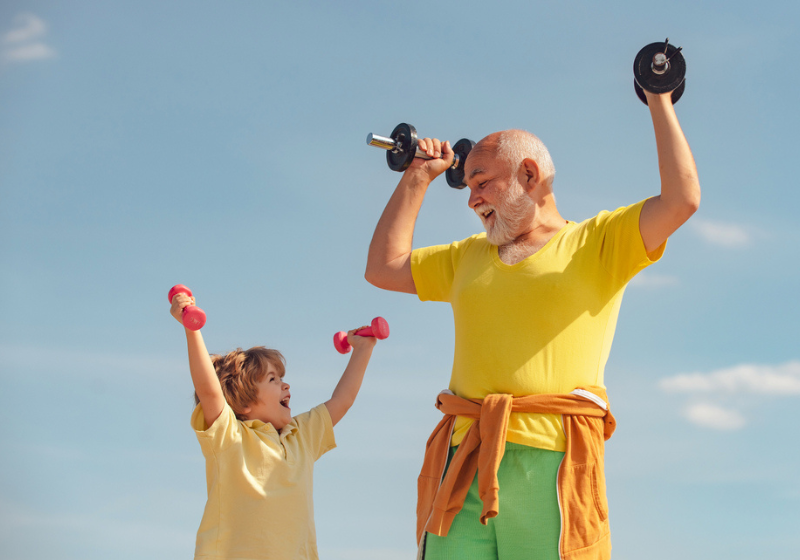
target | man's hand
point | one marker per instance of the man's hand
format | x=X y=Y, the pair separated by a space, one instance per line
x=442 y=155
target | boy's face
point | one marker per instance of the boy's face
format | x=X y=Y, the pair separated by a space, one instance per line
x=272 y=402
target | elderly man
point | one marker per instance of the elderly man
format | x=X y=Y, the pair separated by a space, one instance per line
x=535 y=302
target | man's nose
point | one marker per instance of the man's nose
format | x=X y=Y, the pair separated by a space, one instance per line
x=474 y=200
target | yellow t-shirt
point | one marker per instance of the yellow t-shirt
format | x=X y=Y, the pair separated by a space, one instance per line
x=259 y=486
x=543 y=325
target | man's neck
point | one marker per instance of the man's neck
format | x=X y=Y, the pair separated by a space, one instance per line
x=528 y=243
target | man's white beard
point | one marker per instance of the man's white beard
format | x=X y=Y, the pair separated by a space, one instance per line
x=513 y=208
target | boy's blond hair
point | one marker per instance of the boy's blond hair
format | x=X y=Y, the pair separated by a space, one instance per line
x=239 y=372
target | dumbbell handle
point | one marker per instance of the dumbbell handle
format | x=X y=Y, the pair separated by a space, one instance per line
x=379 y=328
x=193 y=317
x=389 y=144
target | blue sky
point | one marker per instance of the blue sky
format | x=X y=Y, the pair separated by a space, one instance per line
x=221 y=145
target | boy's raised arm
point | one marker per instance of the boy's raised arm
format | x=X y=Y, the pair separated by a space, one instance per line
x=204 y=377
x=347 y=389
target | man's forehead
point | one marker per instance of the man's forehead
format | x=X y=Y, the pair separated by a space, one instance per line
x=478 y=161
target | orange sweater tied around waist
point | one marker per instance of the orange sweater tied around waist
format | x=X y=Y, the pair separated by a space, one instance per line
x=587 y=424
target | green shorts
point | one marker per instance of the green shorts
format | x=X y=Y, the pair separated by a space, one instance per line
x=528 y=523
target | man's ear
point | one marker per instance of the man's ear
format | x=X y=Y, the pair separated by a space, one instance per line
x=532 y=175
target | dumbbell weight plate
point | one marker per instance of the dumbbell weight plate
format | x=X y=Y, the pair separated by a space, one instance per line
x=455 y=177
x=406 y=137
x=644 y=77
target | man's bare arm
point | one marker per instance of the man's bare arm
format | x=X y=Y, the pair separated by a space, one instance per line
x=389 y=258
x=662 y=215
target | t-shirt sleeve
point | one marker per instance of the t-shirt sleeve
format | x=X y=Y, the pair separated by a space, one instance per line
x=433 y=269
x=221 y=434
x=622 y=249
x=315 y=430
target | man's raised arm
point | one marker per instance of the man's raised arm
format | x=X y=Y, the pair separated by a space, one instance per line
x=389 y=258
x=680 y=187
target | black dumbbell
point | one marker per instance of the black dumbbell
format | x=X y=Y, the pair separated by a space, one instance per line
x=402 y=148
x=659 y=68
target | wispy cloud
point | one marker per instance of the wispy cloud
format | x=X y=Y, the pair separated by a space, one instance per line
x=731 y=236
x=744 y=380
x=713 y=416
x=25 y=42
x=777 y=380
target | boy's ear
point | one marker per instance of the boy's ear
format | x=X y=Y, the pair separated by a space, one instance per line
x=246 y=410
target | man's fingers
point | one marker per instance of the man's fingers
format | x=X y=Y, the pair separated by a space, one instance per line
x=437 y=148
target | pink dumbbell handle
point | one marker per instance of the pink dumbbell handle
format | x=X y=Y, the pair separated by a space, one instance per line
x=379 y=328
x=193 y=317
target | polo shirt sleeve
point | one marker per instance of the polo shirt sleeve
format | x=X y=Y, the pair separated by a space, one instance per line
x=621 y=248
x=221 y=434
x=315 y=431
x=433 y=269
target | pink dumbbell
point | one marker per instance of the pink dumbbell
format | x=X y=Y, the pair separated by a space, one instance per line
x=193 y=317
x=379 y=328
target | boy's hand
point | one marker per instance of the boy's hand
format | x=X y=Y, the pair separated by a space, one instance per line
x=179 y=302
x=358 y=342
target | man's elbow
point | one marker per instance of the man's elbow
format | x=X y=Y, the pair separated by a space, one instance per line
x=388 y=279
x=373 y=276
x=685 y=203
x=692 y=201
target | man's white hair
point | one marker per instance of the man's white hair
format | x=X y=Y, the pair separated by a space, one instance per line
x=514 y=145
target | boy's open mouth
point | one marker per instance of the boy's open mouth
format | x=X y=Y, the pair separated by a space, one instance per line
x=285 y=402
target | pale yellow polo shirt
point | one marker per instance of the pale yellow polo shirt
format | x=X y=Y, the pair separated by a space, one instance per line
x=260 y=486
x=543 y=325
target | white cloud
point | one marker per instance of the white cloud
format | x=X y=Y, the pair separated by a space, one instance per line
x=25 y=42
x=757 y=379
x=649 y=280
x=34 y=51
x=28 y=27
x=732 y=236
x=741 y=383
x=715 y=417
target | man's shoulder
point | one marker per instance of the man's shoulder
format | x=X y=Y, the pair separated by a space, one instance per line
x=453 y=248
x=604 y=217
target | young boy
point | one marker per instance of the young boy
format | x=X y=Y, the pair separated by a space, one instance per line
x=260 y=459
